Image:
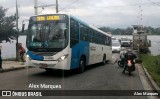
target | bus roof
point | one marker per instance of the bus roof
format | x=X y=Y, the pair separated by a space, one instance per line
x=77 y=19
x=91 y=26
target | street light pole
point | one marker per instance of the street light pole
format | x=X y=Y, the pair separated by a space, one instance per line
x=17 y=50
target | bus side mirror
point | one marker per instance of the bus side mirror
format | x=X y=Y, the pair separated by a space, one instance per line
x=23 y=26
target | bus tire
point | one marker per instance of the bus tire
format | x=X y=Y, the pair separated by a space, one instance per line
x=82 y=64
x=104 y=60
x=49 y=70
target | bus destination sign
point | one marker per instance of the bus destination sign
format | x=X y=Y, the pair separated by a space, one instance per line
x=47 y=18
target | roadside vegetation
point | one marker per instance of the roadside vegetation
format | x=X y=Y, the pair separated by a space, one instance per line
x=7 y=26
x=152 y=64
x=129 y=30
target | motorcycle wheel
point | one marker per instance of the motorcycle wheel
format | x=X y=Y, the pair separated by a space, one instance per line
x=119 y=64
x=129 y=70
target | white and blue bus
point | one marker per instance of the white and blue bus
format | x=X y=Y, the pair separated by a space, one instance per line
x=61 y=41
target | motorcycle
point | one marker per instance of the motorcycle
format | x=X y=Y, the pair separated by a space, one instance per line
x=130 y=66
x=120 y=63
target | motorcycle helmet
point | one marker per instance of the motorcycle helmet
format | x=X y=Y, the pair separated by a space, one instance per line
x=129 y=50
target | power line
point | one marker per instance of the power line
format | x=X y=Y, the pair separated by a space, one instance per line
x=128 y=5
x=155 y=3
x=36 y=6
x=142 y=4
x=69 y=5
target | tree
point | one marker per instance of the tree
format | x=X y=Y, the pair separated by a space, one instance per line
x=129 y=30
x=7 y=25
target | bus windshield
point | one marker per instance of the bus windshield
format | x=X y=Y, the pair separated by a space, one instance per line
x=47 y=35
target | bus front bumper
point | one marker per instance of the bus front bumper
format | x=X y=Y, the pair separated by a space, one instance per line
x=44 y=64
x=49 y=64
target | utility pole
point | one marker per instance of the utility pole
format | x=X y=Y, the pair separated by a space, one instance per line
x=17 y=49
x=56 y=6
x=36 y=6
x=140 y=15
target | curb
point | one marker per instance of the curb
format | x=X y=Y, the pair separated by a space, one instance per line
x=12 y=69
x=154 y=85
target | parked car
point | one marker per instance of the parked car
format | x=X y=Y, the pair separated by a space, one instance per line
x=115 y=39
x=125 y=42
x=116 y=46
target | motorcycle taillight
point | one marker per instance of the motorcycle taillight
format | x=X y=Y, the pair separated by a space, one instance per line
x=129 y=63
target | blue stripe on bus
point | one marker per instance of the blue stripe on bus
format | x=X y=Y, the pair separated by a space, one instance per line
x=34 y=56
x=82 y=48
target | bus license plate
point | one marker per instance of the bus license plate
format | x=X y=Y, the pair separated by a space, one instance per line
x=48 y=58
x=43 y=65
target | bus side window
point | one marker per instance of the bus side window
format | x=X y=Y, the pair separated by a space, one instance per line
x=74 y=31
x=108 y=41
x=83 y=32
x=90 y=36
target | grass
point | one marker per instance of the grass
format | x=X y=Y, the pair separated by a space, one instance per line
x=152 y=64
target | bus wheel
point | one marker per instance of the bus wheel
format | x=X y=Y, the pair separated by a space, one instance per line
x=49 y=70
x=104 y=60
x=82 y=64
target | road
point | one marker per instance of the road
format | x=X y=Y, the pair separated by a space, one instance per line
x=96 y=77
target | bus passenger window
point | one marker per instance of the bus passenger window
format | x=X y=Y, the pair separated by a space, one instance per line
x=107 y=40
x=74 y=37
x=84 y=33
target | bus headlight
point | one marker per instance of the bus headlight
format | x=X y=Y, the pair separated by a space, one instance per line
x=62 y=58
x=27 y=56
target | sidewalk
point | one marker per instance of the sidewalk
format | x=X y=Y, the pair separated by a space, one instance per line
x=12 y=65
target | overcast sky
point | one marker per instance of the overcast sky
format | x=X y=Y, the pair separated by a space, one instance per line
x=111 y=13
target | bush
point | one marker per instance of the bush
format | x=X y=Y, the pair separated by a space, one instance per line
x=157 y=63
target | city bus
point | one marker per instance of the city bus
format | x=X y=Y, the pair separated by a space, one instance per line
x=62 y=41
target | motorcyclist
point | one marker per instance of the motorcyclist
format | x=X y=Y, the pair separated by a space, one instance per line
x=122 y=58
x=129 y=56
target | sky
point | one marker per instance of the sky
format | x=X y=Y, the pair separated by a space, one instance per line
x=109 y=13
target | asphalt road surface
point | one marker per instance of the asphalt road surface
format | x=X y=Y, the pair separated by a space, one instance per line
x=96 y=77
